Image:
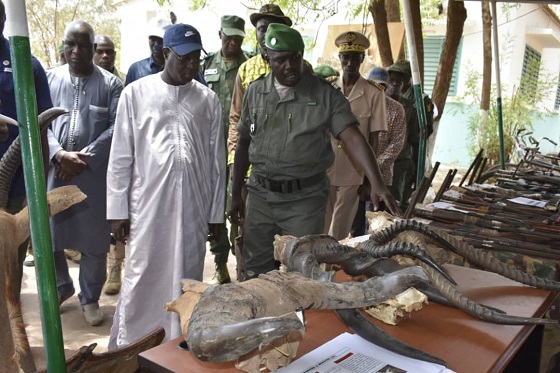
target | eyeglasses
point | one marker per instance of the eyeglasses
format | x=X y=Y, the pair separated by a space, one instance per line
x=235 y=38
x=194 y=59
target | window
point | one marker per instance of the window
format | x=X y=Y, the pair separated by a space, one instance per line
x=530 y=73
x=433 y=46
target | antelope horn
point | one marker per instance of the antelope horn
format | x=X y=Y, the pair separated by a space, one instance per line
x=360 y=325
x=4 y=131
x=472 y=254
x=476 y=309
x=12 y=158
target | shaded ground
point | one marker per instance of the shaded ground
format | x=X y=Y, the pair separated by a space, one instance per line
x=76 y=332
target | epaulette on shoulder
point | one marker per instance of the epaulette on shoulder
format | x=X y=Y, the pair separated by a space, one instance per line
x=209 y=56
x=375 y=84
x=335 y=85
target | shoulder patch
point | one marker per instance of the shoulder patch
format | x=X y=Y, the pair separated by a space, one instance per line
x=375 y=84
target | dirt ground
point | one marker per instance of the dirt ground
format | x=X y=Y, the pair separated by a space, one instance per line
x=76 y=333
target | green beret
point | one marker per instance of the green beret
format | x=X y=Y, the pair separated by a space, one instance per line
x=280 y=37
x=325 y=71
x=401 y=66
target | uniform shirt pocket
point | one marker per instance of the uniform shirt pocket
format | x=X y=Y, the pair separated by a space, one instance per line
x=212 y=79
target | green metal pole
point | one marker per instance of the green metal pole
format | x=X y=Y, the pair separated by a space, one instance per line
x=417 y=87
x=496 y=51
x=421 y=110
x=26 y=104
x=501 y=133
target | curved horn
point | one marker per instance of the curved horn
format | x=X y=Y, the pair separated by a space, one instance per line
x=477 y=310
x=472 y=254
x=4 y=131
x=360 y=325
x=7 y=120
x=404 y=248
x=12 y=158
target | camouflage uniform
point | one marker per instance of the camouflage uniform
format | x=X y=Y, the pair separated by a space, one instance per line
x=220 y=77
x=404 y=169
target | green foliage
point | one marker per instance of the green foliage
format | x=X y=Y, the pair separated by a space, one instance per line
x=193 y=6
x=519 y=110
x=303 y=11
x=355 y=9
x=47 y=20
x=429 y=12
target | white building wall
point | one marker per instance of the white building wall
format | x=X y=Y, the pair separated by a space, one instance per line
x=136 y=14
x=512 y=32
x=512 y=38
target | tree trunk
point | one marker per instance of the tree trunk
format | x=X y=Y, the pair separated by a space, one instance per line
x=486 y=73
x=393 y=9
x=377 y=10
x=487 y=55
x=456 y=16
x=417 y=27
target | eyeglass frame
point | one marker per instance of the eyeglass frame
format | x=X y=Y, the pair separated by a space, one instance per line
x=183 y=59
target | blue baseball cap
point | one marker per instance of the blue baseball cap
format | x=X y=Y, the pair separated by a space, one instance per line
x=183 y=39
x=379 y=75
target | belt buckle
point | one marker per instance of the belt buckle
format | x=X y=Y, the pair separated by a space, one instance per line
x=273 y=186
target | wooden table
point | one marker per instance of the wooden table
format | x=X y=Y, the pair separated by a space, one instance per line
x=467 y=344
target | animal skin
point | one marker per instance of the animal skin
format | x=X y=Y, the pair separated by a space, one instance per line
x=14 y=230
x=256 y=313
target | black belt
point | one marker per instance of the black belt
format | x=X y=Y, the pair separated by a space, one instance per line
x=289 y=186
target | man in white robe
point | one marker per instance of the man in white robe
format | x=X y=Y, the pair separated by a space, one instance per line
x=165 y=186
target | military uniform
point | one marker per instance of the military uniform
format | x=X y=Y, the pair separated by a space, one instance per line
x=220 y=74
x=290 y=152
x=429 y=108
x=249 y=71
x=252 y=69
x=367 y=101
x=404 y=169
